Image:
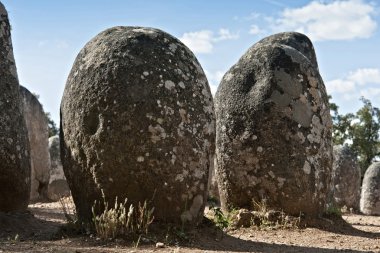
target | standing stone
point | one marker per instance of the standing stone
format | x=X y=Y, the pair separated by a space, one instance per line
x=38 y=133
x=213 y=191
x=14 y=145
x=370 y=197
x=346 y=178
x=273 y=129
x=58 y=186
x=137 y=121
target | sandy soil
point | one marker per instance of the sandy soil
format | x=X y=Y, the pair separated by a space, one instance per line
x=39 y=230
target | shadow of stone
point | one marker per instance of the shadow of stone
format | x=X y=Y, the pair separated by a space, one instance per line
x=338 y=225
x=25 y=226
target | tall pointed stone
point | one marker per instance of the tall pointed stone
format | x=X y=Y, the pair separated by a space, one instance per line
x=14 y=144
x=38 y=133
x=273 y=130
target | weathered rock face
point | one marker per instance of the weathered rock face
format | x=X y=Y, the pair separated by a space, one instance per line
x=273 y=130
x=370 y=196
x=38 y=133
x=58 y=186
x=346 y=178
x=137 y=121
x=14 y=145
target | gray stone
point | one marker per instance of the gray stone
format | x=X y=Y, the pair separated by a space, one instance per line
x=370 y=196
x=137 y=121
x=14 y=144
x=38 y=133
x=213 y=191
x=346 y=178
x=273 y=130
x=58 y=186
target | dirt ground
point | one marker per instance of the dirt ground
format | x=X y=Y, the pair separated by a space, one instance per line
x=39 y=230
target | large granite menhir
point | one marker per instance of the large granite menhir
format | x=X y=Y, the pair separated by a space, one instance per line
x=370 y=196
x=273 y=129
x=14 y=144
x=346 y=178
x=38 y=133
x=58 y=186
x=137 y=122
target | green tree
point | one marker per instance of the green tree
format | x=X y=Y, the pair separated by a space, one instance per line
x=53 y=130
x=360 y=131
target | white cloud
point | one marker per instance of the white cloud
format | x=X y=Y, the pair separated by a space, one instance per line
x=59 y=44
x=199 y=42
x=214 y=79
x=337 y=20
x=225 y=34
x=365 y=76
x=361 y=82
x=340 y=86
x=203 y=41
x=370 y=92
x=255 y=30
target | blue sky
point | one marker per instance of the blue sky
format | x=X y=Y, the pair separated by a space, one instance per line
x=47 y=35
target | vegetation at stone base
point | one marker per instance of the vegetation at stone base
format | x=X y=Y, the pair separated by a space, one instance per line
x=221 y=220
x=265 y=218
x=53 y=130
x=121 y=220
x=333 y=210
x=360 y=131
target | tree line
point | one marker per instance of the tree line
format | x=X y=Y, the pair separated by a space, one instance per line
x=360 y=131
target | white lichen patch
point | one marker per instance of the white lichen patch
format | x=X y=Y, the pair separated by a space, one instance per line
x=169 y=85
x=306 y=167
x=182 y=176
x=173 y=47
x=281 y=181
x=182 y=85
x=157 y=133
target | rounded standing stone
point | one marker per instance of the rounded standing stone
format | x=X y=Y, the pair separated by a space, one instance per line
x=346 y=178
x=273 y=129
x=370 y=196
x=38 y=134
x=14 y=144
x=58 y=186
x=137 y=122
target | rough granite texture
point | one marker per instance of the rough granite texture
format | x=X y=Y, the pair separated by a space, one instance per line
x=370 y=196
x=346 y=178
x=14 y=144
x=273 y=129
x=137 y=121
x=58 y=186
x=38 y=133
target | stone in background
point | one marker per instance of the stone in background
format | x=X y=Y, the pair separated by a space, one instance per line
x=58 y=186
x=38 y=133
x=370 y=196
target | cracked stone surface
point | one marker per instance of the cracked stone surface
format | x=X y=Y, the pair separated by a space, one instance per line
x=370 y=195
x=273 y=128
x=346 y=178
x=137 y=121
x=14 y=144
